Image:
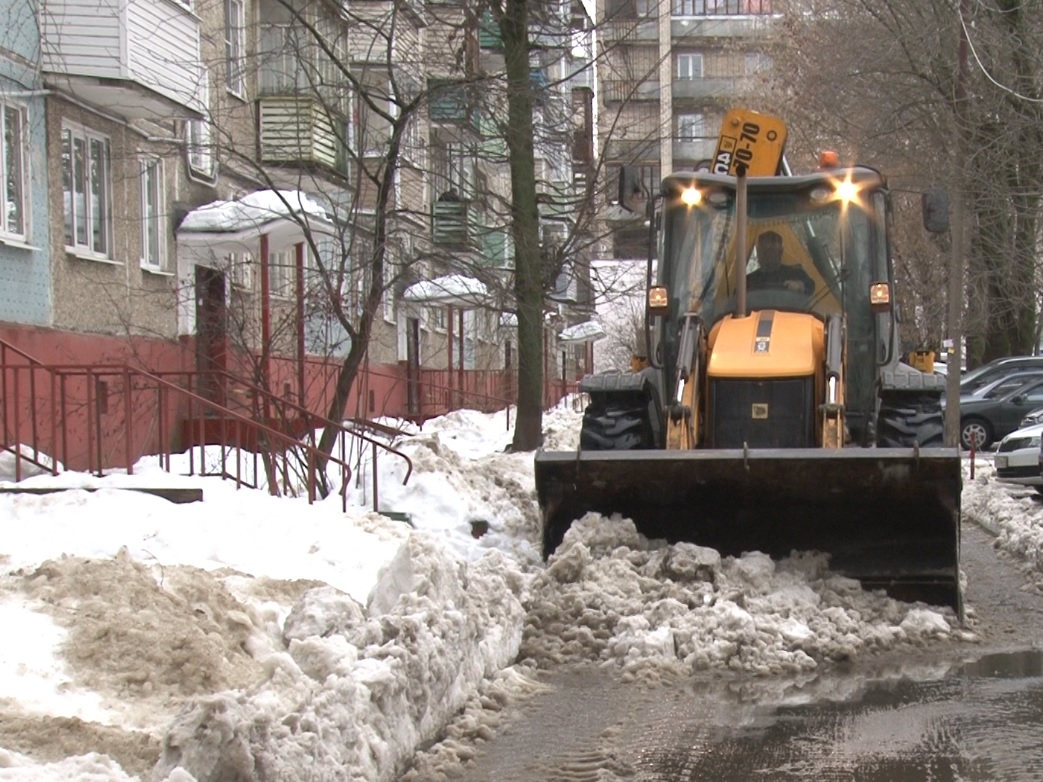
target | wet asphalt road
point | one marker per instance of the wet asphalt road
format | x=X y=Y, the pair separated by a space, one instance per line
x=967 y=711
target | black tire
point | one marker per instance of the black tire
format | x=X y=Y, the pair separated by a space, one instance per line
x=975 y=427
x=615 y=424
x=909 y=420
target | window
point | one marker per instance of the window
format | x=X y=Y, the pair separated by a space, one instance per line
x=281 y=273
x=240 y=269
x=703 y=7
x=200 y=148
x=388 y=294
x=86 y=190
x=234 y=24
x=152 y=214
x=12 y=156
x=691 y=127
x=689 y=66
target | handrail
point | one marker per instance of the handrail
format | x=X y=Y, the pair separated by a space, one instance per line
x=240 y=421
x=304 y=412
x=96 y=404
x=51 y=465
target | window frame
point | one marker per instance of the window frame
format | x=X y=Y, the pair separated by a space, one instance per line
x=21 y=155
x=697 y=121
x=240 y=269
x=690 y=59
x=152 y=206
x=235 y=45
x=199 y=134
x=281 y=284
x=88 y=248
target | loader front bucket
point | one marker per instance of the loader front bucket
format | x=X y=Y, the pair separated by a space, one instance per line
x=889 y=517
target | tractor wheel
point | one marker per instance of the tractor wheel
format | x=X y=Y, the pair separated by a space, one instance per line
x=910 y=420
x=615 y=424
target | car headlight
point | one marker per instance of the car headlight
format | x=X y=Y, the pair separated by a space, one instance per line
x=1033 y=417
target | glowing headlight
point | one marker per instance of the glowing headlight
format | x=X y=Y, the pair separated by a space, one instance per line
x=691 y=196
x=847 y=191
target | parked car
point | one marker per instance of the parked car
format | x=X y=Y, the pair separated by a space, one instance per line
x=1002 y=385
x=1018 y=458
x=1032 y=418
x=998 y=368
x=992 y=416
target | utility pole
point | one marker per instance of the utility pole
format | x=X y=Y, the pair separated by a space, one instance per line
x=954 y=356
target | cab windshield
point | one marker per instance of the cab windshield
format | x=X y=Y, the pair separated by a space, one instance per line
x=831 y=247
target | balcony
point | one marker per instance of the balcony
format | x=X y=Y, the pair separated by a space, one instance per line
x=495 y=244
x=489 y=33
x=139 y=59
x=613 y=91
x=633 y=151
x=630 y=31
x=693 y=150
x=299 y=129
x=451 y=103
x=690 y=27
x=453 y=224
x=707 y=88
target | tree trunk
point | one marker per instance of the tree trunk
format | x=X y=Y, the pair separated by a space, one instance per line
x=528 y=277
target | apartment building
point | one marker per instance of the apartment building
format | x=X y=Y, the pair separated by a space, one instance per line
x=670 y=70
x=201 y=185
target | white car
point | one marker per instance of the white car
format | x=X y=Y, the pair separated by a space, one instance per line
x=1018 y=458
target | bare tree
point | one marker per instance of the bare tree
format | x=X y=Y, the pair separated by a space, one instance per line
x=880 y=82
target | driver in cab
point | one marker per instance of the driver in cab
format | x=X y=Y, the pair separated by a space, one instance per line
x=771 y=272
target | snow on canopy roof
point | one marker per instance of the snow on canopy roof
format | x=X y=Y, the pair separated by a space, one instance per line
x=455 y=290
x=582 y=332
x=252 y=211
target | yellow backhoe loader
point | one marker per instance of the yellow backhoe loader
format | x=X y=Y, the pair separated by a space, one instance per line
x=773 y=416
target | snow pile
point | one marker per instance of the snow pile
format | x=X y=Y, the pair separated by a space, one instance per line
x=250 y=637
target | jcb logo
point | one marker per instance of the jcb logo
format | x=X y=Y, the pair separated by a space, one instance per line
x=759 y=411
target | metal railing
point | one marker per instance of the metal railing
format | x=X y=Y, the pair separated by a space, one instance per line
x=103 y=416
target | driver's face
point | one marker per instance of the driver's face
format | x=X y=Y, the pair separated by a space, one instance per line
x=769 y=250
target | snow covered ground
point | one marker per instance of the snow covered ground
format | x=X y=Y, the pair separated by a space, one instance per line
x=256 y=638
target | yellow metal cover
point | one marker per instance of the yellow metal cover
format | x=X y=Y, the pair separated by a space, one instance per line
x=766 y=343
x=758 y=140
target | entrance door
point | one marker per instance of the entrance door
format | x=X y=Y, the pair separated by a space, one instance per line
x=211 y=338
x=413 y=365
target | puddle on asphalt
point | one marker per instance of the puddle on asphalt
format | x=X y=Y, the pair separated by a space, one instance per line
x=1012 y=665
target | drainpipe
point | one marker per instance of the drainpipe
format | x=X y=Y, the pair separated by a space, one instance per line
x=449 y=341
x=266 y=314
x=300 y=323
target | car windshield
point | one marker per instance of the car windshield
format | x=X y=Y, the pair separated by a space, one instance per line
x=1003 y=386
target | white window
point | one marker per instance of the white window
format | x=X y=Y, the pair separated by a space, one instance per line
x=240 y=269
x=689 y=66
x=152 y=255
x=390 y=270
x=438 y=318
x=691 y=127
x=282 y=268
x=13 y=124
x=200 y=144
x=86 y=187
x=234 y=24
